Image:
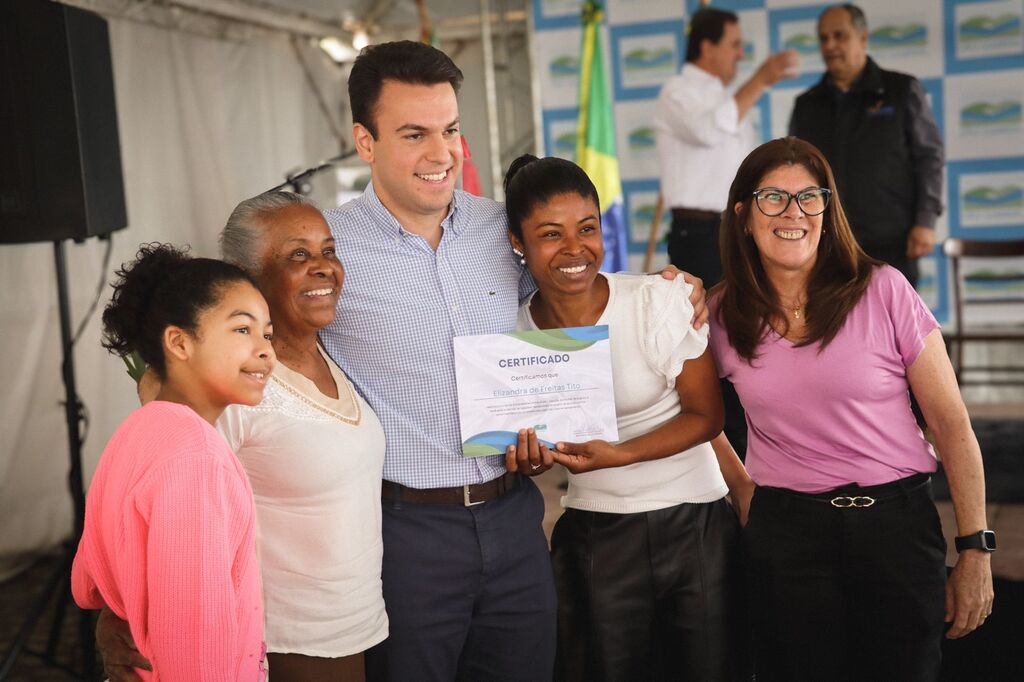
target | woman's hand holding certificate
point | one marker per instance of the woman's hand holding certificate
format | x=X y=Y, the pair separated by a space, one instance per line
x=580 y=458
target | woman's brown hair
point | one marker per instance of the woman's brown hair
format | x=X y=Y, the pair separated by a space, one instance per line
x=747 y=301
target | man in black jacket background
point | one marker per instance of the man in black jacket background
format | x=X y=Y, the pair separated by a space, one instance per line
x=877 y=131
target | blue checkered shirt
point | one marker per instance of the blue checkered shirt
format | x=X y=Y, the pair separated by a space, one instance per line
x=401 y=304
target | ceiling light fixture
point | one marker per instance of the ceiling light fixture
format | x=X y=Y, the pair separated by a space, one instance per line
x=337 y=50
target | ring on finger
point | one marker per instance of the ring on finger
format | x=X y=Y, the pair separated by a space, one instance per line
x=534 y=467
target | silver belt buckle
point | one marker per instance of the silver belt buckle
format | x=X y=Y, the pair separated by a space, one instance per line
x=858 y=501
x=467 y=502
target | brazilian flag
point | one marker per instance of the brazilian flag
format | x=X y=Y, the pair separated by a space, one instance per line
x=595 y=139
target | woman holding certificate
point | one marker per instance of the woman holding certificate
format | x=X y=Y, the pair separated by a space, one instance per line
x=645 y=554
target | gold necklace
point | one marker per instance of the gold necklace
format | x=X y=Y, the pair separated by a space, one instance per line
x=797 y=310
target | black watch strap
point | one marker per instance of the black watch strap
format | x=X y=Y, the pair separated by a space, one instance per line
x=983 y=539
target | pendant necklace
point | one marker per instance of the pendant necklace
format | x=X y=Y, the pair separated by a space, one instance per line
x=797 y=310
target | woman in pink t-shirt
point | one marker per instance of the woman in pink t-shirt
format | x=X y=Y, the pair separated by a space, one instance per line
x=169 y=542
x=845 y=550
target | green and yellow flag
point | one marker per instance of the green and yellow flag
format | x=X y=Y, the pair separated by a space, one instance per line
x=595 y=139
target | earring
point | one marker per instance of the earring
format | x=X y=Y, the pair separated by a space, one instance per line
x=522 y=258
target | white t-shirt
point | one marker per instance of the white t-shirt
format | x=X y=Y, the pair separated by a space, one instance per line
x=648 y=320
x=315 y=465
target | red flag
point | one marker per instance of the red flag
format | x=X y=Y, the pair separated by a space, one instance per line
x=470 y=178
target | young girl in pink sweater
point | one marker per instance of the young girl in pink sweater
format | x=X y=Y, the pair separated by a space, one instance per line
x=169 y=527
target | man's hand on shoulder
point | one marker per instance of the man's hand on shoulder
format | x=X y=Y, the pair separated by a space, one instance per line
x=698 y=297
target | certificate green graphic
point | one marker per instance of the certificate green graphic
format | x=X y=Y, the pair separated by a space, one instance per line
x=558 y=381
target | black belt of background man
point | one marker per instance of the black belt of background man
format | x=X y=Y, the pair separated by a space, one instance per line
x=695 y=214
x=465 y=495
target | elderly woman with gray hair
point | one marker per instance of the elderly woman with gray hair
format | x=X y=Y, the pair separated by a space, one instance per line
x=313 y=450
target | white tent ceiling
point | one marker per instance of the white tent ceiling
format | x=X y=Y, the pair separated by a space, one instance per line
x=392 y=15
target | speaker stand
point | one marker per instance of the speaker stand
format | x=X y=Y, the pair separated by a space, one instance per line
x=59 y=583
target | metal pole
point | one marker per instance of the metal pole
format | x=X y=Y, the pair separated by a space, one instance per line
x=72 y=409
x=494 y=135
x=73 y=416
x=535 y=94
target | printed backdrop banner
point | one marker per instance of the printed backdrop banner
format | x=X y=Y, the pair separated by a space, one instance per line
x=968 y=54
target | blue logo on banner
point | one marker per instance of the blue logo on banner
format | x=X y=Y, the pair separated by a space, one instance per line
x=990 y=28
x=641 y=60
x=989 y=114
x=641 y=138
x=994 y=199
x=910 y=35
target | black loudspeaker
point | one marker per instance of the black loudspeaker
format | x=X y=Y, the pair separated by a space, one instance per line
x=60 y=156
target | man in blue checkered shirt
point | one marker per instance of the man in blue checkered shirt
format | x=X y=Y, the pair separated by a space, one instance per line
x=466 y=575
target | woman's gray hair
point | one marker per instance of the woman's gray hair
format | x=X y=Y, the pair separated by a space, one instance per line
x=240 y=239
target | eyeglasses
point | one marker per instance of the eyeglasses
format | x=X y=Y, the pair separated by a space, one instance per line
x=773 y=201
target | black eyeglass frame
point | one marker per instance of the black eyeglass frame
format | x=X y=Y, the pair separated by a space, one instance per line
x=824 y=190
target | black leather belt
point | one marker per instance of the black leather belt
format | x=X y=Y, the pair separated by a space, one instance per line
x=694 y=214
x=854 y=496
x=465 y=495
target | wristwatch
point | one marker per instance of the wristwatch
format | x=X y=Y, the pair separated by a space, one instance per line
x=983 y=540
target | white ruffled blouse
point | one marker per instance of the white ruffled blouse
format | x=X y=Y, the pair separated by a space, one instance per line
x=649 y=323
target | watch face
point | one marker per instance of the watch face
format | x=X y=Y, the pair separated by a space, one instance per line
x=983 y=539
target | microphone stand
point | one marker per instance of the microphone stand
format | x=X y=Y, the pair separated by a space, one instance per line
x=300 y=182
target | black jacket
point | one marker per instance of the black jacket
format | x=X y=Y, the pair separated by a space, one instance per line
x=884 y=148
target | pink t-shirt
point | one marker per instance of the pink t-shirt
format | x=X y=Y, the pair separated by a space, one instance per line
x=817 y=421
x=169 y=546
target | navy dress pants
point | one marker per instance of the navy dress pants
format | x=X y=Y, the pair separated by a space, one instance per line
x=468 y=590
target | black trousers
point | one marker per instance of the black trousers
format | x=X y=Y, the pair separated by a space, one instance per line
x=847 y=594
x=895 y=254
x=468 y=590
x=693 y=248
x=650 y=596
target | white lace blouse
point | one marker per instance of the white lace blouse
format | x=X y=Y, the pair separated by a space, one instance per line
x=315 y=464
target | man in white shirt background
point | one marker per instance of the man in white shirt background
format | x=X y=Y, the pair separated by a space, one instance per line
x=704 y=132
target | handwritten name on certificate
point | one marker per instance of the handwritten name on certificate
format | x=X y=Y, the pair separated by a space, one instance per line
x=558 y=381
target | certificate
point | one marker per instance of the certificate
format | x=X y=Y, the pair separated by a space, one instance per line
x=558 y=381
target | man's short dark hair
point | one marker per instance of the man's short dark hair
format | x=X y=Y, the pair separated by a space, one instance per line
x=404 y=61
x=857 y=17
x=707 y=24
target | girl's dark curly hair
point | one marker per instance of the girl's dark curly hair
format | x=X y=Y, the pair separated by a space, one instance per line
x=163 y=286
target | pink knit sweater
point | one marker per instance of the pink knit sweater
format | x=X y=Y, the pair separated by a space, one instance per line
x=169 y=547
